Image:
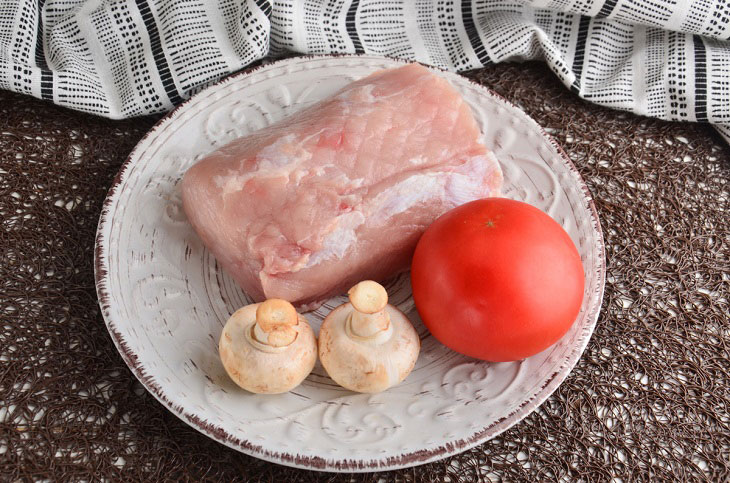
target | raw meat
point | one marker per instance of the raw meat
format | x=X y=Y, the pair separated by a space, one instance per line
x=341 y=191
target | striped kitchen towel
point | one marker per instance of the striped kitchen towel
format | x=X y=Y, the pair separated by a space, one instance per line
x=121 y=58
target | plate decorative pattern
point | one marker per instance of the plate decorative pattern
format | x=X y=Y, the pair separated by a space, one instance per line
x=165 y=299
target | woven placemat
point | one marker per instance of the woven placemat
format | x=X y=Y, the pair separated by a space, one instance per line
x=650 y=398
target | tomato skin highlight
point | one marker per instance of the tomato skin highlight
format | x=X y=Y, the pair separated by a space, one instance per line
x=497 y=279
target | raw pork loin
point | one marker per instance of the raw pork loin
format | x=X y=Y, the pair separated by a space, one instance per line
x=341 y=191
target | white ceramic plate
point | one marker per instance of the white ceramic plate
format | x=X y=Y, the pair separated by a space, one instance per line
x=165 y=300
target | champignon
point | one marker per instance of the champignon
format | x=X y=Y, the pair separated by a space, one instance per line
x=268 y=348
x=367 y=345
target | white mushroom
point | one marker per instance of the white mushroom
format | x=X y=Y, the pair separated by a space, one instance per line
x=268 y=348
x=367 y=345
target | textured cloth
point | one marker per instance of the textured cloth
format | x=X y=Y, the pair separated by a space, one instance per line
x=649 y=400
x=663 y=58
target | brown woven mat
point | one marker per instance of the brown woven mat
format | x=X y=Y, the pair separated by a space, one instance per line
x=650 y=399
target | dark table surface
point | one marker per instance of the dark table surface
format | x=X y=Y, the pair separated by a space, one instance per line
x=650 y=398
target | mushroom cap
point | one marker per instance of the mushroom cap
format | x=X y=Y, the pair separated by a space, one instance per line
x=262 y=368
x=364 y=365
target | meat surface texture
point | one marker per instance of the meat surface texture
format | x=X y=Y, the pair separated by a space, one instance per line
x=342 y=190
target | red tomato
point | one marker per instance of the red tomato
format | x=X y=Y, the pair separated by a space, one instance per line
x=497 y=279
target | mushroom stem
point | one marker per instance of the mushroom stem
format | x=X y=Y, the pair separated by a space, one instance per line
x=275 y=321
x=368 y=318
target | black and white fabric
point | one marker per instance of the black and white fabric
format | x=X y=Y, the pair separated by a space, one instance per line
x=122 y=58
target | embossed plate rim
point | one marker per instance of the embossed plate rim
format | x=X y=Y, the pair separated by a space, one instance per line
x=317 y=463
